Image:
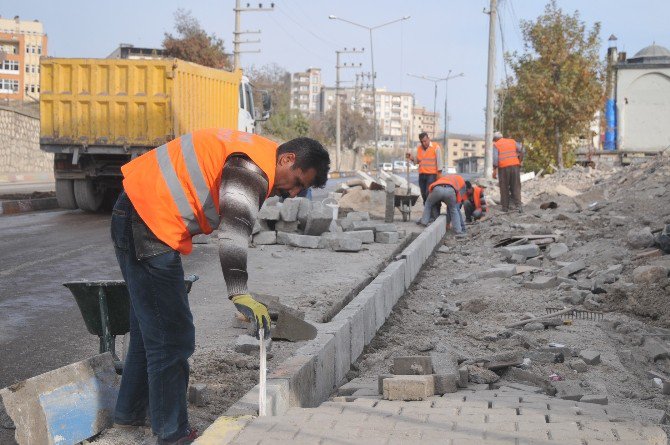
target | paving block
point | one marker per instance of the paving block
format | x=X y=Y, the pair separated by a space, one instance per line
x=269 y=212
x=63 y=406
x=323 y=348
x=590 y=357
x=265 y=238
x=289 y=209
x=409 y=387
x=358 y=216
x=498 y=272
x=463 y=376
x=277 y=400
x=246 y=344
x=296 y=240
x=341 y=329
x=385 y=227
x=318 y=219
x=299 y=372
x=542 y=282
x=413 y=365
x=197 y=394
x=578 y=365
x=224 y=429
x=556 y=250
x=526 y=250
x=303 y=210
x=387 y=237
x=287 y=226
x=366 y=236
x=568 y=390
x=571 y=268
x=445 y=368
x=394 y=288
x=380 y=381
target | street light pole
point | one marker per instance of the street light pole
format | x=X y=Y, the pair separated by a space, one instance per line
x=435 y=81
x=374 y=75
x=338 y=119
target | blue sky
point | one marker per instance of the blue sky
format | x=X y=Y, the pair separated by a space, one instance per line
x=440 y=36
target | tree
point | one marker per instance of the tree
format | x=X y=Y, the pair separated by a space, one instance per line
x=193 y=44
x=354 y=127
x=556 y=88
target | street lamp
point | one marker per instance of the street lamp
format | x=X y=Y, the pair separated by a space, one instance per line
x=446 y=80
x=372 y=63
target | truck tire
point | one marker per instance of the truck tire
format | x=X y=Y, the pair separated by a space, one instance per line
x=65 y=194
x=87 y=196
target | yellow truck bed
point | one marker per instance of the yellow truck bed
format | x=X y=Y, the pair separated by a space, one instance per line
x=100 y=103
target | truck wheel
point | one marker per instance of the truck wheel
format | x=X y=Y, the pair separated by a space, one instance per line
x=65 y=194
x=87 y=196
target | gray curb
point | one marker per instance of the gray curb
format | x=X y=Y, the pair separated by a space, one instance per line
x=310 y=376
x=27 y=205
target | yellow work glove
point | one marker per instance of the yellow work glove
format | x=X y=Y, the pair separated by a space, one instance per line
x=254 y=311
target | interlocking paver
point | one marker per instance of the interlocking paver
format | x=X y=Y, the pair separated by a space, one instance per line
x=496 y=417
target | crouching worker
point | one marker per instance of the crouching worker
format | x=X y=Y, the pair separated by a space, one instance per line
x=475 y=202
x=209 y=179
x=449 y=189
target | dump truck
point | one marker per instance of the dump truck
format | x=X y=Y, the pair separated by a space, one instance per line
x=98 y=114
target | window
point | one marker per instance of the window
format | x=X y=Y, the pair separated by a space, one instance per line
x=9 y=86
x=455 y=153
x=10 y=65
x=39 y=49
x=28 y=49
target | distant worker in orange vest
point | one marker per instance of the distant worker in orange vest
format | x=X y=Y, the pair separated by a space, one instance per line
x=208 y=179
x=475 y=202
x=507 y=158
x=429 y=158
x=451 y=190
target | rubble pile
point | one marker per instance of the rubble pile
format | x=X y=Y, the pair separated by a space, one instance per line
x=299 y=222
x=570 y=299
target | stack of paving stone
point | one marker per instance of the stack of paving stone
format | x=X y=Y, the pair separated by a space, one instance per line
x=299 y=222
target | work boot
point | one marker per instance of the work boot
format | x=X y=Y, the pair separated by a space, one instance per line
x=186 y=440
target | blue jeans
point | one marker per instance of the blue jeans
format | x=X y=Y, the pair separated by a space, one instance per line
x=445 y=194
x=162 y=334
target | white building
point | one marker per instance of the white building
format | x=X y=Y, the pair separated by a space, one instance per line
x=394 y=116
x=306 y=91
x=643 y=101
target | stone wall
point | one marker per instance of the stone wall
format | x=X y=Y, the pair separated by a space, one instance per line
x=20 y=144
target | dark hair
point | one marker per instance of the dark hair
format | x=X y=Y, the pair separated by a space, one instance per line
x=309 y=153
x=422 y=135
x=468 y=185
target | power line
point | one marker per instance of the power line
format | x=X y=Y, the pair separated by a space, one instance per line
x=303 y=26
x=320 y=56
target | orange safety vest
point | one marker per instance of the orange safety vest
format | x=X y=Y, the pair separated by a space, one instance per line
x=455 y=181
x=175 y=188
x=427 y=159
x=477 y=194
x=507 y=156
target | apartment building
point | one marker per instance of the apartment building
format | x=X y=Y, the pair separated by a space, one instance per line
x=424 y=121
x=462 y=146
x=306 y=91
x=22 y=43
x=394 y=116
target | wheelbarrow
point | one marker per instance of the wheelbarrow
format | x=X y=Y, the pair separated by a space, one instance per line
x=404 y=203
x=105 y=308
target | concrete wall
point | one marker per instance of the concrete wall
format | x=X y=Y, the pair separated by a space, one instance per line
x=20 y=144
x=643 y=109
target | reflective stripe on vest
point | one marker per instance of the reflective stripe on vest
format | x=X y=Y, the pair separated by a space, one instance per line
x=427 y=159
x=198 y=181
x=176 y=190
x=507 y=155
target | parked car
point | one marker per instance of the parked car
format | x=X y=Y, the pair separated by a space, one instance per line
x=387 y=167
x=399 y=166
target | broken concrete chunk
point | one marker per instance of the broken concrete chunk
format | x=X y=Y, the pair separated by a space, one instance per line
x=640 y=238
x=502 y=271
x=571 y=268
x=464 y=278
x=409 y=387
x=387 y=237
x=412 y=365
x=197 y=394
x=366 y=236
x=590 y=357
x=578 y=365
x=560 y=189
x=266 y=237
x=556 y=250
x=568 y=390
x=649 y=274
x=481 y=375
x=600 y=399
x=526 y=250
x=655 y=349
x=577 y=296
x=534 y=326
x=296 y=240
x=246 y=344
x=542 y=282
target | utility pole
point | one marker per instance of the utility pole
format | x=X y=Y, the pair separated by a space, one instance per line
x=338 y=119
x=238 y=33
x=490 y=81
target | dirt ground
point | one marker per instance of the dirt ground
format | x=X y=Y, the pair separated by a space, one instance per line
x=469 y=319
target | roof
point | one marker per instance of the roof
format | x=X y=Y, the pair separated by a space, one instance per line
x=651 y=54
